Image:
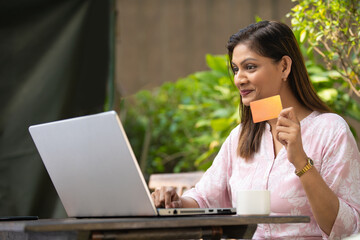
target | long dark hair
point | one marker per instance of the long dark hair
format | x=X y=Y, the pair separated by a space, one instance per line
x=273 y=40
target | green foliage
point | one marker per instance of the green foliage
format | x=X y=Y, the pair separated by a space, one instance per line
x=332 y=29
x=180 y=126
x=333 y=91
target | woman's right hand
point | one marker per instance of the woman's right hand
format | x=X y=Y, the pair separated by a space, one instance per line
x=166 y=197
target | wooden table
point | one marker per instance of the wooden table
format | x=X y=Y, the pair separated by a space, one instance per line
x=195 y=227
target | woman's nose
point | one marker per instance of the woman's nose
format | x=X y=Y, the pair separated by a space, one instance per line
x=239 y=78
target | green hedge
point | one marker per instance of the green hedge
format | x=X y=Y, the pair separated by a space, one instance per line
x=181 y=125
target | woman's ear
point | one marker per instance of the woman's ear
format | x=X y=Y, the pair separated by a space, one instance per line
x=286 y=67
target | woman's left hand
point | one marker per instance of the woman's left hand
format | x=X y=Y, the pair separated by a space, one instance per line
x=289 y=134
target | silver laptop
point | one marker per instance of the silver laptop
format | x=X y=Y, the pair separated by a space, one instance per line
x=94 y=170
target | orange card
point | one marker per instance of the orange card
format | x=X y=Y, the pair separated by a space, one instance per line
x=266 y=109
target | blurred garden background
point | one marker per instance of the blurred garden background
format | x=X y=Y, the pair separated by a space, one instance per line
x=161 y=64
x=180 y=125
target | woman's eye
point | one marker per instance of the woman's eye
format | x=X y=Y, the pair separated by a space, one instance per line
x=250 y=67
x=235 y=70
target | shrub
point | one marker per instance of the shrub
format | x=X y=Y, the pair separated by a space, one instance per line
x=181 y=125
x=332 y=29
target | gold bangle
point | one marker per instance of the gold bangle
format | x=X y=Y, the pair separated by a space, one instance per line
x=307 y=167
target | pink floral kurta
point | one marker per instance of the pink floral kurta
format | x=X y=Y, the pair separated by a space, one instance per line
x=327 y=140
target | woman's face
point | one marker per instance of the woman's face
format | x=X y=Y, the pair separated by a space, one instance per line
x=256 y=76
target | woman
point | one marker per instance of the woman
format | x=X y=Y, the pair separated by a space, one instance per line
x=307 y=157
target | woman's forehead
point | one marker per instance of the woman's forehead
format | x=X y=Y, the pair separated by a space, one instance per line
x=243 y=51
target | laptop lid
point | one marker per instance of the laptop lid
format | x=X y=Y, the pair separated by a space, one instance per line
x=92 y=166
x=94 y=170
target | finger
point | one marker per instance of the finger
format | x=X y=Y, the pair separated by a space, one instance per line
x=156 y=198
x=289 y=113
x=290 y=131
x=285 y=111
x=167 y=199
x=162 y=191
x=176 y=204
x=169 y=196
x=291 y=135
x=282 y=138
x=284 y=121
x=288 y=127
x=283 y=129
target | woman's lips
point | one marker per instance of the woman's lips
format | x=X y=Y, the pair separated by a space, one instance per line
x=245 y=92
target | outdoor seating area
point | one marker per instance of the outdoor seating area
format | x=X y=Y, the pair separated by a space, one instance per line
x=179 y=119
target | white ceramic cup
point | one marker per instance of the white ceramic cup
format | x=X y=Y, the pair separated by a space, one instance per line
x=253 y=202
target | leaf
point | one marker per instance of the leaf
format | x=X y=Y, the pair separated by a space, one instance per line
x=319 y=79
x=302 y=35
x=188 y=107
x=202 y=123
x=206 y=77
x=221 y=113
x=217 y=63
x=220 y=124
x=258 y=19
x=314 y=68
x=204 y=156
x=328 y=95
x=335 y=76
x=223 y=90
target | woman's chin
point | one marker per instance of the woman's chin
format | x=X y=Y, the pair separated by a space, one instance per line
x=246 y=100
x=246 y=103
